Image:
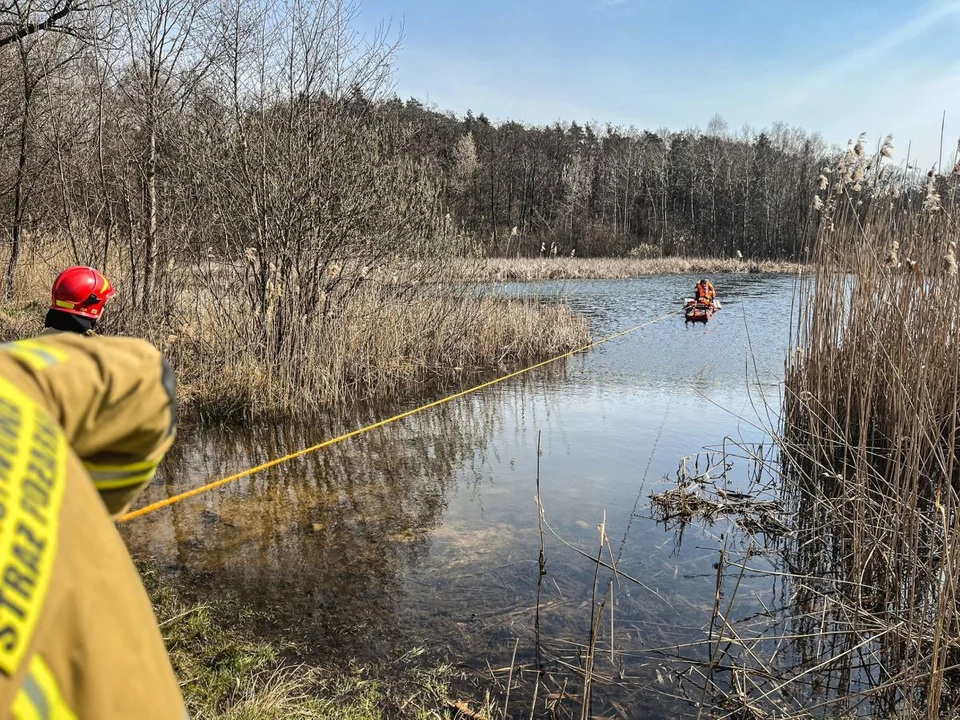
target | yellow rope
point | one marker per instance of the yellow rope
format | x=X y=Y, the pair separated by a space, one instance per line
x=153 y=507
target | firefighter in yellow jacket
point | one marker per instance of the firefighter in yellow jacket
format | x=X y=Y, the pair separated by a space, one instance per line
x=84 y=421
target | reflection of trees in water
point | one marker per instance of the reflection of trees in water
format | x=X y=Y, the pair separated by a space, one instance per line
x=324 y=540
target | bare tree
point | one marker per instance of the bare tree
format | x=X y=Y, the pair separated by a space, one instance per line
x=20 y=20
x=166 y=45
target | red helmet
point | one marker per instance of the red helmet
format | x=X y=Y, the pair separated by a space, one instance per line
x=81 y=291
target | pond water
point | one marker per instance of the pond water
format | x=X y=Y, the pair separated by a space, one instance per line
x=425 y=532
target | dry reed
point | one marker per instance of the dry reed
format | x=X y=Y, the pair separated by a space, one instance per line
x=384 y=337
x=870 y=442
x=565 y=268
x=868 y=619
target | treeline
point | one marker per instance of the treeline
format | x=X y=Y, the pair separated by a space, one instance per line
x=148 y=133
x=611 y=191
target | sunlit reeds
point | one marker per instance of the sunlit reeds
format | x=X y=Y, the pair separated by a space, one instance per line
x=565 y=268
x=374 y=335
x=870 y=443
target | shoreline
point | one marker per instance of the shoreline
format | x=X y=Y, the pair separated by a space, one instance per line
x=565 y=268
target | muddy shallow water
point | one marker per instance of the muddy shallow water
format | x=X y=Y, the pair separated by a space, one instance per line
x=425 y=532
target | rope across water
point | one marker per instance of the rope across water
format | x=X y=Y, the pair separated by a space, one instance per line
x=159 y=505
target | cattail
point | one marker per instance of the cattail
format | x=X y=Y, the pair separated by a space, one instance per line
x=817 y=202
x=824 y=183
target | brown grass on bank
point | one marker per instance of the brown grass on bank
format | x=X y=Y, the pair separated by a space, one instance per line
x=565 y=268
x=871 y=439
x=380 y=339
x=378 y=347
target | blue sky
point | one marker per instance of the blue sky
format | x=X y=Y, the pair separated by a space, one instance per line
x=839 y=67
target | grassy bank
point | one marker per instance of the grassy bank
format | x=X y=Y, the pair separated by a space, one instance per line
x=368 y=336
x=565 y=268
x=229 y=670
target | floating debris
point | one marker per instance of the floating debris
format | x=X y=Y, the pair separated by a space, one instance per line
x=702 y=499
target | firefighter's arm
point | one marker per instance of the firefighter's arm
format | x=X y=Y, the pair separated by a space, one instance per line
x=114 y=399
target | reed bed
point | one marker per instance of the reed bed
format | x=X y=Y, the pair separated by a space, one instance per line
x=566 y=268
x=870 y=440
x=381 y=334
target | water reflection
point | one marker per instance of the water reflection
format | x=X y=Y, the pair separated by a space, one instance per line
x=325 y=538
x=426 y=531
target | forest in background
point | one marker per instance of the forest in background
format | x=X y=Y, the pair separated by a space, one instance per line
x=146 y=132
x=597 y=190
x=150 y=132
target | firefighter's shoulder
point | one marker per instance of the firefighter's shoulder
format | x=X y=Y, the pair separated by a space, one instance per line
x=72 y=608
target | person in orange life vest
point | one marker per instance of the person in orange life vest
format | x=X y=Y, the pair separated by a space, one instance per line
x=79 y=294
x=705 y=292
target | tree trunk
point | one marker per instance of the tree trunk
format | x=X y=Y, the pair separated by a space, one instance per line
x=150 y=249
x=19 y=200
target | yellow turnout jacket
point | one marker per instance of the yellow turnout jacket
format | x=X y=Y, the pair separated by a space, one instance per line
x=84 y=421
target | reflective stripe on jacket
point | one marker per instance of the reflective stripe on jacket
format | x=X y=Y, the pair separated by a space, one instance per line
x=73 y=611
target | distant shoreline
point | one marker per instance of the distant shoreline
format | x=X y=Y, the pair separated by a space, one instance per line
x=565 y=268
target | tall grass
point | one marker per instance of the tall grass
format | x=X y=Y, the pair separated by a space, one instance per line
x=378 y=334
x=870 y=443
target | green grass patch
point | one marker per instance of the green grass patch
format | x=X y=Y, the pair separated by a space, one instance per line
x=228 y=670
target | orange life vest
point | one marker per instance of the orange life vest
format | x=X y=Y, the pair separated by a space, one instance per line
x=705 y=292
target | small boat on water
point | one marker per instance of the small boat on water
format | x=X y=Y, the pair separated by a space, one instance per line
x=694 y=311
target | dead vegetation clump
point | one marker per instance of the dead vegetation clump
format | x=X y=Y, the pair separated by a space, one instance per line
x=707 y=496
